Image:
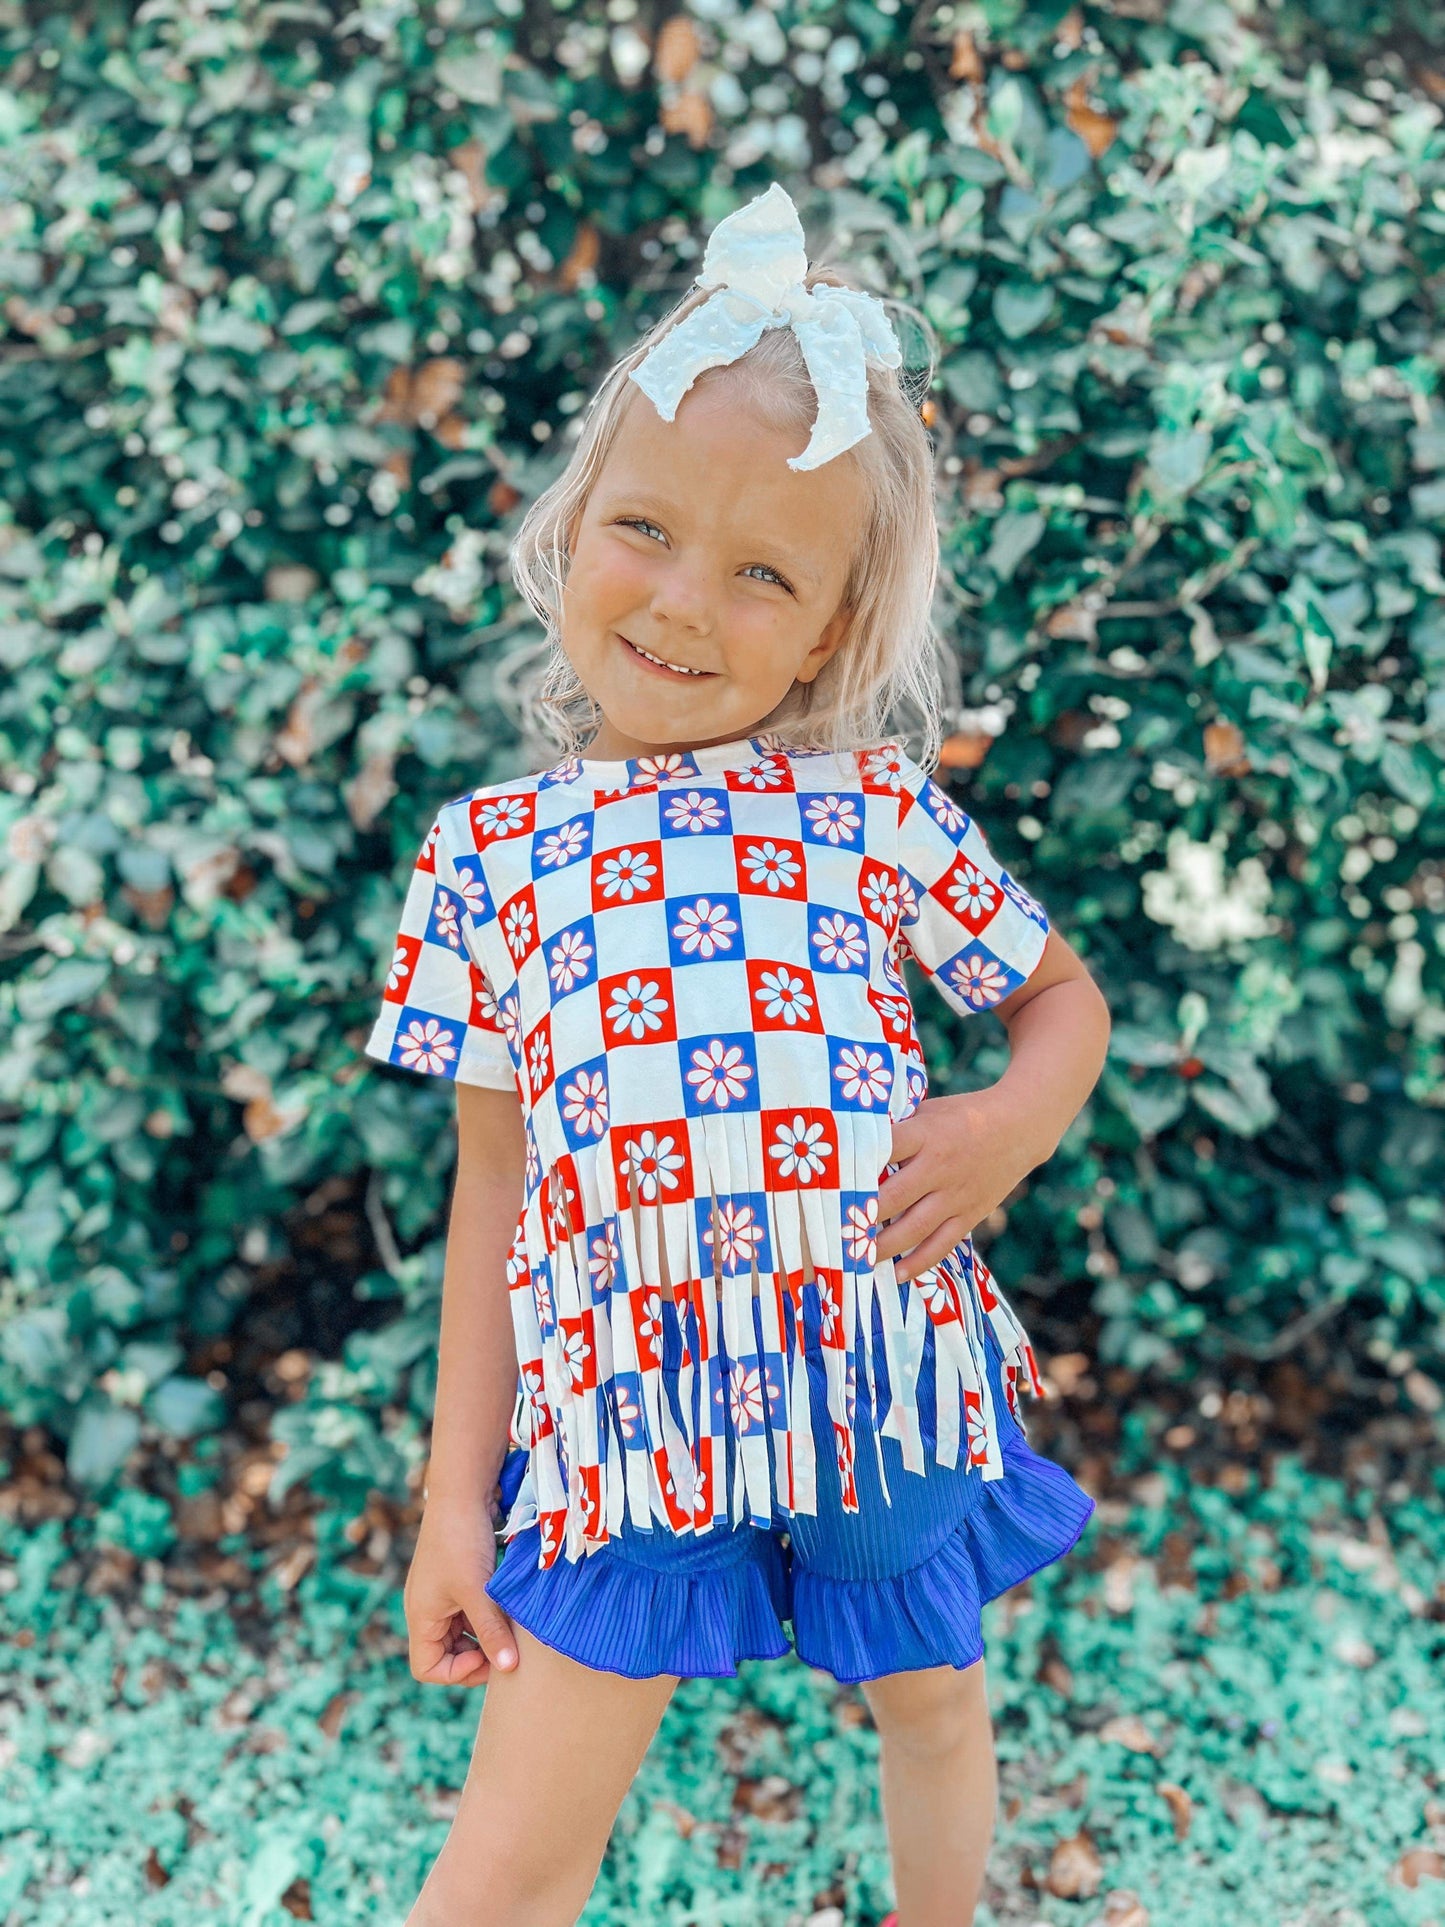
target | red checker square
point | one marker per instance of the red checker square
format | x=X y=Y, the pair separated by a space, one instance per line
x=702 y=1510
x=977 y=1428
x=537 y=1058
x=800 y=1149
x=520 y=928
x=936 y=1290
x=844 y=1443
x=398 y=982
x=878 y=894
x=969 y=897
x=551 y=1527
x=782 y=996
x=771 y=866
x=794 y=1281
x=630 y=873
x=651 y=1162
x=983 y=1278
x=485 y=1015
x=579 y=1350
x=496 y=818
x=645 y=1304
x=678 y=1516
x=562 y=1197
x=879 y=772
x=830 y=1308
x=768 y=776
x=895 y=1014
x=589 y=1478
x=637 y=1007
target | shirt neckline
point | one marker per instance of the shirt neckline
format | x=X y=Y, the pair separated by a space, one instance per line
x=675 y=766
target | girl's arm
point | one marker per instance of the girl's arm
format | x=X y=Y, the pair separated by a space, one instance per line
x=477 y=1356
x=961 y=1156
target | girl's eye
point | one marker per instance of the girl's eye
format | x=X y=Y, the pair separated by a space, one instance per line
x=640 y=522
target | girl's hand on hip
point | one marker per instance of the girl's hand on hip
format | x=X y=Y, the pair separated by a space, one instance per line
x=958 y=1159
x=456 y=1554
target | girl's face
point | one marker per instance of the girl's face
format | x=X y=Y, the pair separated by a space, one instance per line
x=700 y=546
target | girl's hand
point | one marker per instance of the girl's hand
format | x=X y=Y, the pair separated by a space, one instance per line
x=959 y=1157
x=456 y=1554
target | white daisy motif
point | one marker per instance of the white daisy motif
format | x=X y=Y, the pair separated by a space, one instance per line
x=885 y=766
x=658 y=768
x=562 y=846
x=584 y=1102
x=694 y=813
x=637 y=1007
x=860 y=1233
x=946 y=812
x=864 y=1075
x=652 y=1160
x=735 y=1232
x=768 y=773
x=426 y=1045
x=474 y=895
x=448 y=924
x=603 y=1258
x=907 y=898
x=932 y=1288
x=801 y=1150
x=629 y=1413
x=626 y=874
x=835 y=818
x=971 y=894
x=879 y=894
x=539 y=1059
x=784 y=994
x=575 y=1353
x=720 y=1074
x=704 y=928
x=746 y=1397
x=1030 y=906
x=567 y=961
x=840 y=942
x=982 y=980
x=775 y=869
x=502 y=816
x=517 y=927
x=400 y=969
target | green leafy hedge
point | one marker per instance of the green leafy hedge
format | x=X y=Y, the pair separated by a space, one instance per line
x=301 y=302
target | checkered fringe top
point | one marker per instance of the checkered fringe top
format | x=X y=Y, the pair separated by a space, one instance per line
x=689 y=969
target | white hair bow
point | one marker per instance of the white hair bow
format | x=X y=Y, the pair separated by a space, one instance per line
x=755 y=259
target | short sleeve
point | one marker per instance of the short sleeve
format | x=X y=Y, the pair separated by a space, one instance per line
x=438 y=1012
x=975 y=933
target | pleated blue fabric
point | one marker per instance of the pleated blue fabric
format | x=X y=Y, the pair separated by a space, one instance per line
x=891 y=1588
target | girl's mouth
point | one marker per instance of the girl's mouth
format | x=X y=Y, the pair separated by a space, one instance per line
x=658 y=666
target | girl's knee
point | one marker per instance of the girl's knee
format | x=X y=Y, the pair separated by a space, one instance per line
x=931 y=1712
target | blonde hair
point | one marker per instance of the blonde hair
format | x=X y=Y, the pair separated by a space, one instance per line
x=893 y=677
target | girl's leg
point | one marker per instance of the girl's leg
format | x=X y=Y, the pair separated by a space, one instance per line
x=557 y=1749
x=939 y=1787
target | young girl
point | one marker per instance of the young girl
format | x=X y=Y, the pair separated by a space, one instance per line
x=752 y=1369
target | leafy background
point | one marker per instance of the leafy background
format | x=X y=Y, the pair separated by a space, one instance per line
x=301 y=303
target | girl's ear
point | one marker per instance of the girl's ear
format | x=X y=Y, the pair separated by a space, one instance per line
x=828 y=644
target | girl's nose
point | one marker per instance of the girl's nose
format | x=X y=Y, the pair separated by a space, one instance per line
x=683 y=596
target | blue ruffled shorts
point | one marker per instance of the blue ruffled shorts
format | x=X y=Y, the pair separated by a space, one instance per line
x=886 y=1589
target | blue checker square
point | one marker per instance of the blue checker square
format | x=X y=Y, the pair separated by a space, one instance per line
x=624 y=1395
x=860 y=1074
x=571 y=959
x=837 y=939
x=559 y=848
x=858 y=1215
x=835 y=818
x=476 y=897
x=582 y=1099
x=545 y=1296
x=693 y=813
x=704 y=928
x=719 y=1072
x=738 y=1235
